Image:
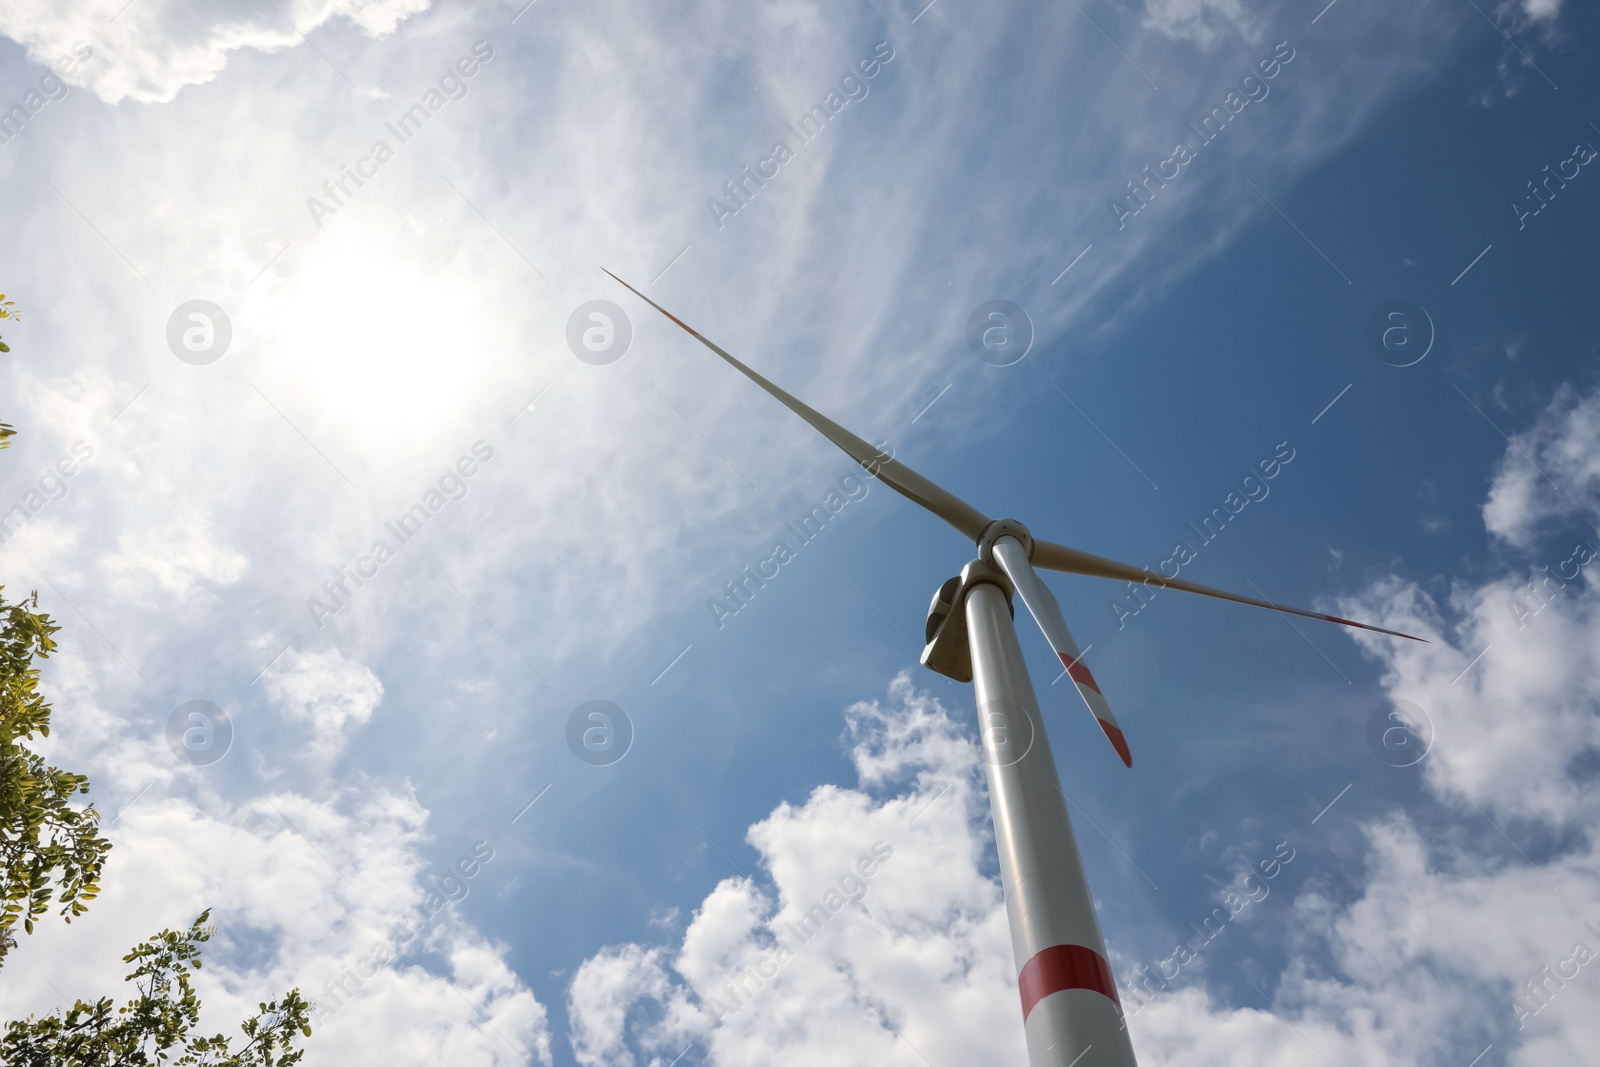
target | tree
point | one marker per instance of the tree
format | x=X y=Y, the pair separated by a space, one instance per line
x=157 y=1024
x=7 y=311
x=49 y=849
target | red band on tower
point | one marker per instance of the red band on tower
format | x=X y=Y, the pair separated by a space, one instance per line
x=1064 y=967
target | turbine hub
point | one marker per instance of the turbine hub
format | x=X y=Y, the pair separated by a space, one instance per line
x=1003 y=528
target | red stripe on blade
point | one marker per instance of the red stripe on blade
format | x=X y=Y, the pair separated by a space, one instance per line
x=658 y=307
x=1064 y=967
x=1079 y=672
x=1118 y=742
x=1369 y=626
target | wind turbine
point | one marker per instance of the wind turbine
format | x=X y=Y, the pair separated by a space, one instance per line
x=1070 y=1010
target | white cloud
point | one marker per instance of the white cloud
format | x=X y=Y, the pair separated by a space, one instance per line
x=480 y=1014
x=1511 y=725
x=327 y=691
x=1542 y=10
x=301 y=887
x=148 y=50
x=1429 y=957
x=173 y=557
x=608 y=986
x=1552 y=469
x=1201 y=21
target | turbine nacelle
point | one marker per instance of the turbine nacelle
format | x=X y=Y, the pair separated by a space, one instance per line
x=947 y=651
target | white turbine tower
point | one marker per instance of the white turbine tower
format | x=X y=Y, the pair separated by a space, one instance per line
x=1070 y=1010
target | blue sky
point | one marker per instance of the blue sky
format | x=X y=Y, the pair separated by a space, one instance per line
x=374 y=346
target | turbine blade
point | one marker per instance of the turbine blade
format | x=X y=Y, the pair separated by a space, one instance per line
x=896 y=475
x=1041 y=603
x=1053 y=557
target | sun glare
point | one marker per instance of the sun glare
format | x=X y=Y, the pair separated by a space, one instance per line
x=378 y=344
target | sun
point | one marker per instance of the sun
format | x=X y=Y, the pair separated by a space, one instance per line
x=379 y=344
